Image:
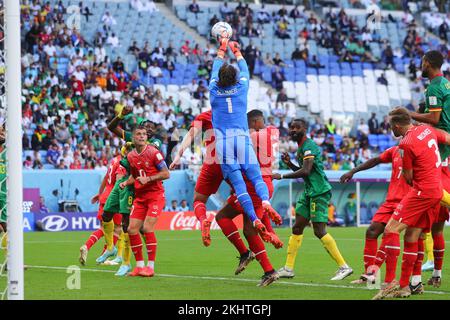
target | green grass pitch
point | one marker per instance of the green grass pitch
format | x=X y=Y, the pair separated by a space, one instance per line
x=187 y=270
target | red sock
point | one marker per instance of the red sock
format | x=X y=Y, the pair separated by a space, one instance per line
x=417 y=270
x=93 y=238
x=392 y=248
x=136 y=246
x=257 y=246
x=150 y=241
x=370 y=251
x=230 y=230
x=267 y=222
x=200 y=210
x=380 y=257
x=115 y=238
x=438 y=250
x=409 y=259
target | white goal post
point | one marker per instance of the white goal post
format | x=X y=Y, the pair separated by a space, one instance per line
x=14 y=150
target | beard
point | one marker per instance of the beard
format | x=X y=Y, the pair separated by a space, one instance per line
x=296 y=136
x=425 y=73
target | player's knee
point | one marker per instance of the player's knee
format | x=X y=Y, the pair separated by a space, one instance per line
x=296 y=230
x=107 y=217
x=372 y=232
x=219 y=216
x=319 y=231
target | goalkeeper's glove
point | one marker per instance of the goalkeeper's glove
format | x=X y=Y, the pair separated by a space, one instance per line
x=223 y=47
x=236 y=49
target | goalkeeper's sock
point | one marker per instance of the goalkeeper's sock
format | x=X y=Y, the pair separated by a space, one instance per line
x=120 y=245
x=295 y=242
x=108 y=229
x=429 y=246
x=126 y=249
x=330 y=245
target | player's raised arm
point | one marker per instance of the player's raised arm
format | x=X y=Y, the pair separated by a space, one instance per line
x=113 y=126
x=432 y=117
x=218 y=61
x=363 y=166
x=244 y=74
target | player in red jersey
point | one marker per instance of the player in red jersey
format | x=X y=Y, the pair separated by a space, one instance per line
x=398 y=188
x=111 y=228
x=148 y=169
x=210 y=178
x=263 y=140
x=417 y=211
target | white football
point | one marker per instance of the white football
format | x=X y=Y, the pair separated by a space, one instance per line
x=221 y=29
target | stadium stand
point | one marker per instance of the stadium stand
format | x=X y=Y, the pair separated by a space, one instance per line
x=74 y=80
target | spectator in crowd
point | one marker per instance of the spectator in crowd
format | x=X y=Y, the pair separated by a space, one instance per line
x=194 y=7
x=173 y=206
x=184 y=206
x=225 y=11
x=385 y=127
x=382 y=79
x=373 y=124
x=213 y=21
x=108 y=20
x=263 y=15
x=251 y=55
x=155 y=71
x=363 y=130
x=42 y=207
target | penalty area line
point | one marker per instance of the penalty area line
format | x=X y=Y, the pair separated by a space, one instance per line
x=320 y=285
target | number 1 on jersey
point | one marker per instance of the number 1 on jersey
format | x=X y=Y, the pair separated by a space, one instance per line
x=230 y=106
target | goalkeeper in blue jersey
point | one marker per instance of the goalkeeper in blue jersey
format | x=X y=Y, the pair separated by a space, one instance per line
x=234 y=150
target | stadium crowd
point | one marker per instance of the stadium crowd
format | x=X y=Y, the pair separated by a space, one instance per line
x=66 y=111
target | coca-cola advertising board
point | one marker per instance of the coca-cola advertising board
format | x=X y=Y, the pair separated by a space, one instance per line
x=188 y=221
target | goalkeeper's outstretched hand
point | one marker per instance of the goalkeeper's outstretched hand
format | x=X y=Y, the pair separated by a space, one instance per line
x=223 y=46
x=235 y=48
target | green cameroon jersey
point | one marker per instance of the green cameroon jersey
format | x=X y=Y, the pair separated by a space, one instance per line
x=317 y=182
x=437 y=98
x=128 y=137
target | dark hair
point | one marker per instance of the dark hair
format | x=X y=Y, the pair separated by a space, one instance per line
x=434 y=58
x=400 y=116
x=253 y=114
x=227 y=75
x=302 y=122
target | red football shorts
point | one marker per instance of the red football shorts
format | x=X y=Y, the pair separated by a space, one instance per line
x=384 y=212
x=257 y=203
x=417 y=211
x=149 y=207
x=209 y=180
x=443 y=214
